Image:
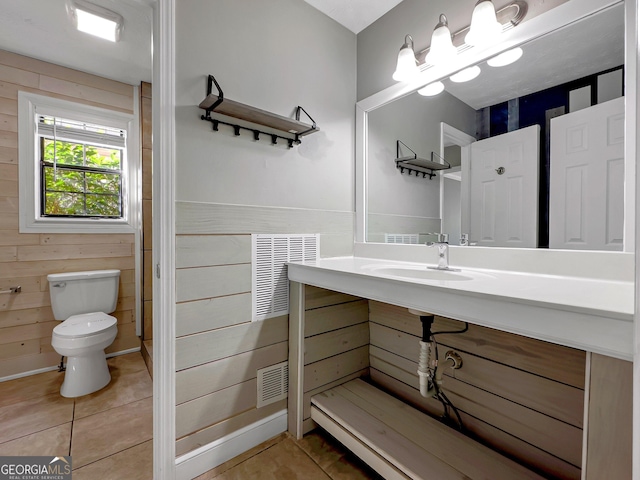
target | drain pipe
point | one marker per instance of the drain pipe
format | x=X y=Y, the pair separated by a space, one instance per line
x=427 y=388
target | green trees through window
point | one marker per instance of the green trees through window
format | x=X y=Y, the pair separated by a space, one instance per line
x=80 y=179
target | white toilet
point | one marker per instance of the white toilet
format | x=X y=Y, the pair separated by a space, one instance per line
x=83 y=300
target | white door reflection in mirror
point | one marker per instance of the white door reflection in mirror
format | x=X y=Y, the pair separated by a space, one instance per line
x=587 y=178
x=504 y=189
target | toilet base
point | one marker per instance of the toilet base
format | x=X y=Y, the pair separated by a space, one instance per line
x=85 y=375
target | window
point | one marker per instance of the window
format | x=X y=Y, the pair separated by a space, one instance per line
x=77 y=171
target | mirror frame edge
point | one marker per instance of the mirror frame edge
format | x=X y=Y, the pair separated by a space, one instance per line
x=543 y=24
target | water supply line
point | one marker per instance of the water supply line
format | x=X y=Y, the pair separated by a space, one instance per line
x=425 y=372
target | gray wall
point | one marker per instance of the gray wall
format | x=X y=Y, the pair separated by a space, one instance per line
x=273 y=55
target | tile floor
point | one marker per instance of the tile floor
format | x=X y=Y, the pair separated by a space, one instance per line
x=318 y=456
x=109 y=433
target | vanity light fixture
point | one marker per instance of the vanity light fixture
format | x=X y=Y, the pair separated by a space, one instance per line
x=485 y=28
x=445 y=45
x=506 y=58
x=432 y=89
x=96 y=20
x=441 y=48
x=465 y=75
x=407 y=66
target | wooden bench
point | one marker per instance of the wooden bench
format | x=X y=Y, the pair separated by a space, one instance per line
x=400 y=442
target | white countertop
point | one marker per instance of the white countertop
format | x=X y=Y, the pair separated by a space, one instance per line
x=586 y=313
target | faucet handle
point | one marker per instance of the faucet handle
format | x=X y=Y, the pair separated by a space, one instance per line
x=443 y=237
x=440 y=238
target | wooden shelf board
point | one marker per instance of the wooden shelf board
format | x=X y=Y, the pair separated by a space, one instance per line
x=422 y=163
x=241 y=111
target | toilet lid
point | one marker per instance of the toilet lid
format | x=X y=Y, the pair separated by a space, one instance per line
x=85 y=324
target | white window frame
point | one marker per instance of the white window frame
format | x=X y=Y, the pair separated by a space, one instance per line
x=30 y=105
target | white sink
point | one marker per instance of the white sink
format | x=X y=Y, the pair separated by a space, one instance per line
x=419 y=272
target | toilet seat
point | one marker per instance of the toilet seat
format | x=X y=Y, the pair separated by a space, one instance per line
x=84 y=325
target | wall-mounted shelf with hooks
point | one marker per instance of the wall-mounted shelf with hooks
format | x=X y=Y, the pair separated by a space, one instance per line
x=417 y=165
x=217 y=103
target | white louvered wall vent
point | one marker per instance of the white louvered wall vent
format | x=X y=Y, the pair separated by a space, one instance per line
x=270 y=285
x=273 y=383
x=412 y=238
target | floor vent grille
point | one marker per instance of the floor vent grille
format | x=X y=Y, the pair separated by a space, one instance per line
x=273 y=383
x=270 y=284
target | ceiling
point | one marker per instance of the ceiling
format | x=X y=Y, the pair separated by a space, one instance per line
x=41 y=29
x=356 y=15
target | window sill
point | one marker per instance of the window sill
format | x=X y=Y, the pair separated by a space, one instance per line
x=76 y=226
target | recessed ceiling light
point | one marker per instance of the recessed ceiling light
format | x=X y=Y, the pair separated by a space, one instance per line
x=505 y=58
x=432 y=89
x=95 y=20
x=466 y=74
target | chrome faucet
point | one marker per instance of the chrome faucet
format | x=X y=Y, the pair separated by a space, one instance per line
x=442 y=244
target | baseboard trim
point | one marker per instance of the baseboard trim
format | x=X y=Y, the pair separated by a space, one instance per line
x=123 y=352
x=55 y=367
x=209 y=456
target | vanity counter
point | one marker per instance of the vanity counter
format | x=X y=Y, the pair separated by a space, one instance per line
x=589 y=314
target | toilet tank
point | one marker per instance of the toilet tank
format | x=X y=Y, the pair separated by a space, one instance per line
x=74 y=293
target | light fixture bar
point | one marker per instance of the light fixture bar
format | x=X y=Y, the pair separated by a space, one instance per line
x=509 y=16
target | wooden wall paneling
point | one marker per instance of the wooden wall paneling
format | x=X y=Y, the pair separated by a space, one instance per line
x=218 y=430
x=335 y=342
x=208 y=282
x=9 y=155
x=8 y=139
x=209 y=250
x=211 y=313
x=226 y=372
x=44 y=267
x=212 y=218
x=316 y=297
x=209 y=346
x=84 y=92
x=530 y=455
x=210 y=409
x=39 y=67
x=558 y=438
x=333 y=317
x=27 y=363
x=12 y=237
x=327 y=370
x=11 y=318
x=146 y=244
x=528 y=354
x=609 y=431
x=85 y=239
x=28 y=253
x=554 y=399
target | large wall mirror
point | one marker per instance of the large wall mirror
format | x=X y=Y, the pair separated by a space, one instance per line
x=535 y=150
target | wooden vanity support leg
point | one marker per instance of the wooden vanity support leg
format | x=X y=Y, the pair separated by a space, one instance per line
x=296 y=358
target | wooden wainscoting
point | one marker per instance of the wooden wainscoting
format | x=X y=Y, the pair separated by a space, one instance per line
x=26 y=319
x=335 y=333
x=521 y=396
